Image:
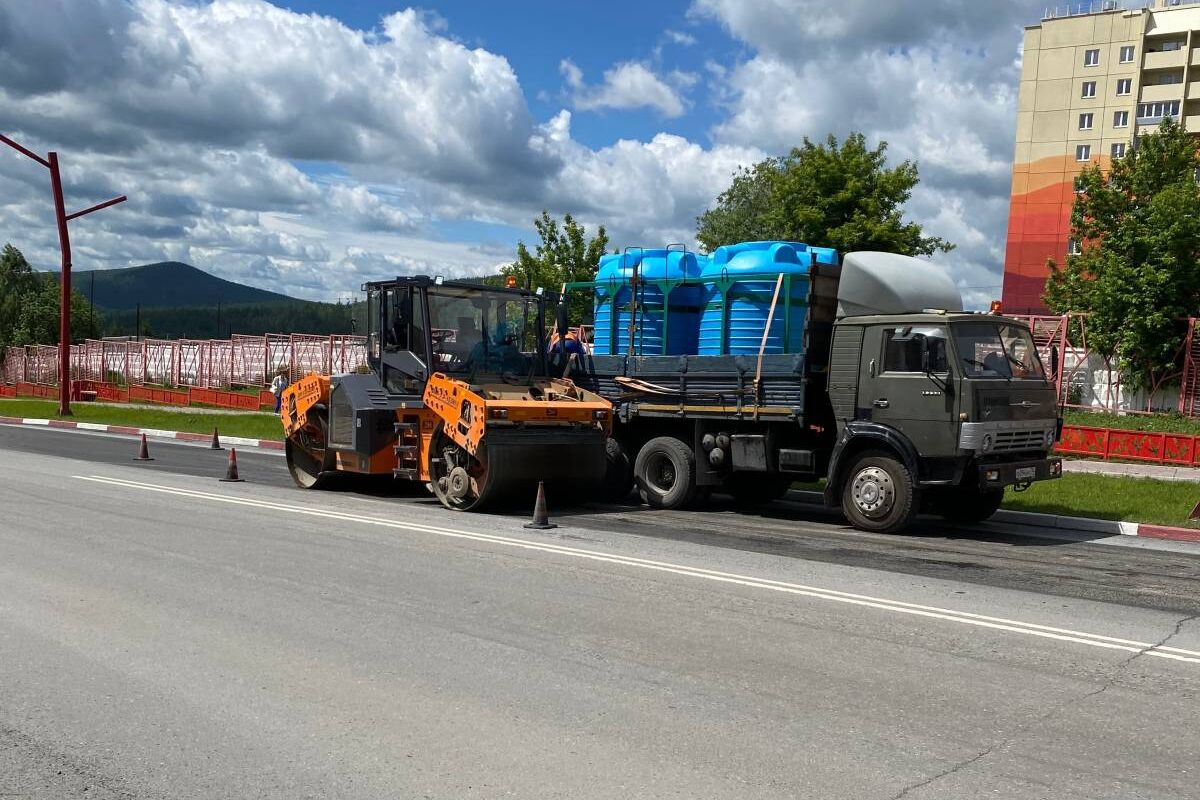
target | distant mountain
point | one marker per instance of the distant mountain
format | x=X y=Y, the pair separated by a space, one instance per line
x=167 y=284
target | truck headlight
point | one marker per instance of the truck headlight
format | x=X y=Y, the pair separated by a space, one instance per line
x=1050 y=437
x=986 y=443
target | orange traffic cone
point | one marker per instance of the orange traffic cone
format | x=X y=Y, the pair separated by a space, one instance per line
x=231 y=473
x=216 y=442
x=143 y=451
x=541 y=519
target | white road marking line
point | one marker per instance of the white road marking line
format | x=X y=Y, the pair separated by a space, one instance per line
x=885 y=604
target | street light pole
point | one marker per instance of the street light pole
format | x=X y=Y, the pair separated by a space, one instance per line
x=64 y=242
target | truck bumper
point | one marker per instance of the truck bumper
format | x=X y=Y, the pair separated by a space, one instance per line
x=996 y=476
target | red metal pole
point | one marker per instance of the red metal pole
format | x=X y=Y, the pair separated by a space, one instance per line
x=64 y=322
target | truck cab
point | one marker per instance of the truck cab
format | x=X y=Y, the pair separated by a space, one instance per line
x=936 y=410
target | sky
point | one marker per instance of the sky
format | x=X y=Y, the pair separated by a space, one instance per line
x=308 y=146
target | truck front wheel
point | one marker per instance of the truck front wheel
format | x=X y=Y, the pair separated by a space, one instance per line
x=665 y=471
x=879 y=494
x=969 y=504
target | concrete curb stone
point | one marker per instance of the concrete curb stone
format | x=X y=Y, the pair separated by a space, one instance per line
x=153 y=433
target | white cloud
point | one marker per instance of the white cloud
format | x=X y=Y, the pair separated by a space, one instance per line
x=680 y=38
x=628 y=85
x=209 y=116
x=942 y=93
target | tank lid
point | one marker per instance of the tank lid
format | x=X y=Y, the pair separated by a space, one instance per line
x=889 y=283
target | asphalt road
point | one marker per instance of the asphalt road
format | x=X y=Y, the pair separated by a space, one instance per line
x=166 y=635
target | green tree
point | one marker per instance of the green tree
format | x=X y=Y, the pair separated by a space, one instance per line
x=1137 y=275
x=832 y=195
x=17 y=283
x=563 y=254
x=38 y=319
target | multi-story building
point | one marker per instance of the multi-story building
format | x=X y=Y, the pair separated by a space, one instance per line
x=1093 y=78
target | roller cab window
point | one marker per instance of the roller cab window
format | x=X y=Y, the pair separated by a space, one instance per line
x=477 y=332
x=997 y=350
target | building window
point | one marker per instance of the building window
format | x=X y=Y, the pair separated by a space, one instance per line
x=1085 y=122
x=1124 y=86
x=1091 y=58
x=1118 y=150
x=1083 y=152
x=1080 y=186
x=1074 y=248
x=1120 y=119
x=1127 y=54
x=1151 y=113
x=1089 y=89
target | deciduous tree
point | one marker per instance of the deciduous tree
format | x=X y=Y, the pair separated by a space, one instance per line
x=841 y=195
x=1137 y=275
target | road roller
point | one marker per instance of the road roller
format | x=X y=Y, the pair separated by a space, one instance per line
x=459 y=392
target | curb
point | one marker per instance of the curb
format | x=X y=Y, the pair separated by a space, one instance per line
x=154 y=433
x=1066 y=523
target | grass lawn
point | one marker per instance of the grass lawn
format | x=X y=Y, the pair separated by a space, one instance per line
x=1109 y=497
x=253 y=426
x=1158 y=423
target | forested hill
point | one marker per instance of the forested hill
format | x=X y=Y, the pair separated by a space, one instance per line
x=166 y=284
x=209 y=322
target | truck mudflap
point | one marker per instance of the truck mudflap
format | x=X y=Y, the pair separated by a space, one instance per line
x=1011 y=473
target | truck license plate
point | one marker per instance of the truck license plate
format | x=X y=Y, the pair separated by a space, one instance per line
x=1026 y=473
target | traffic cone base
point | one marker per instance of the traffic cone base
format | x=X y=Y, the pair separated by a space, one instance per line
x=216 y=441
x=541 y=519
x=231 y=472
x=143 y=451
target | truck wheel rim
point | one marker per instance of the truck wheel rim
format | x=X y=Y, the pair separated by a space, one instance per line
x=660 y=473
x=873 y=491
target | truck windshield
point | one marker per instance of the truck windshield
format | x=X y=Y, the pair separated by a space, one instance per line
x=996 y=350
x=477 y=330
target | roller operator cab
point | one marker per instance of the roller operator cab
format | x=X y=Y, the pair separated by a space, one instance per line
x=455 y=395
x=864 y=371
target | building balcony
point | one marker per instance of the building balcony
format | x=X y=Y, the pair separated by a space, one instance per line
x=1192 y=123
x=1163 y=91
x=1196 y=56
x=1193 y=92
x=1165 y=59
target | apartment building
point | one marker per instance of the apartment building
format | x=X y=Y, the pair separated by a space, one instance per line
x=1093 y=78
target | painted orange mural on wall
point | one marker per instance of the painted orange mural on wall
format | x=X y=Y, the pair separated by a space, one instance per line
x=1039 y=228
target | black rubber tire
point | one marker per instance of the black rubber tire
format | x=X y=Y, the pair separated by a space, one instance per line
x=752 y=489
x=665 y=473
x=618 y=471
x=899 y=481
x=967 y=504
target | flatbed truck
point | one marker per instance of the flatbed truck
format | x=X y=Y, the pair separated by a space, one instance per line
x=898 y=399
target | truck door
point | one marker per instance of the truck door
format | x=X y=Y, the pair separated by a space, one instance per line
x=896 y=390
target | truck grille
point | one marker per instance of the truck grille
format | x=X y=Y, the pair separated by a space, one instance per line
x=1008 y=441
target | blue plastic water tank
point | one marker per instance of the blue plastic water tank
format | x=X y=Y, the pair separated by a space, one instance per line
x=749 y=301
x=613 y=295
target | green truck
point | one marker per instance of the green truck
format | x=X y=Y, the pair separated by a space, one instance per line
x=902 y=401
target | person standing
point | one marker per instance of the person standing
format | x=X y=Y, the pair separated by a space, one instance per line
x=277 y=386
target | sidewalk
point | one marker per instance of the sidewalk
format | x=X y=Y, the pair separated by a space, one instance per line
x=1161 y=472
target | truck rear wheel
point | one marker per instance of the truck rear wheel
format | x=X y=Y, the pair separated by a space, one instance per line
x=968 y=504
x=879 y=494
x=665 y=472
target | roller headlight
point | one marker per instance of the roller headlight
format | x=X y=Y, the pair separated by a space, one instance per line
x=986 y=444
x=1050 y=437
